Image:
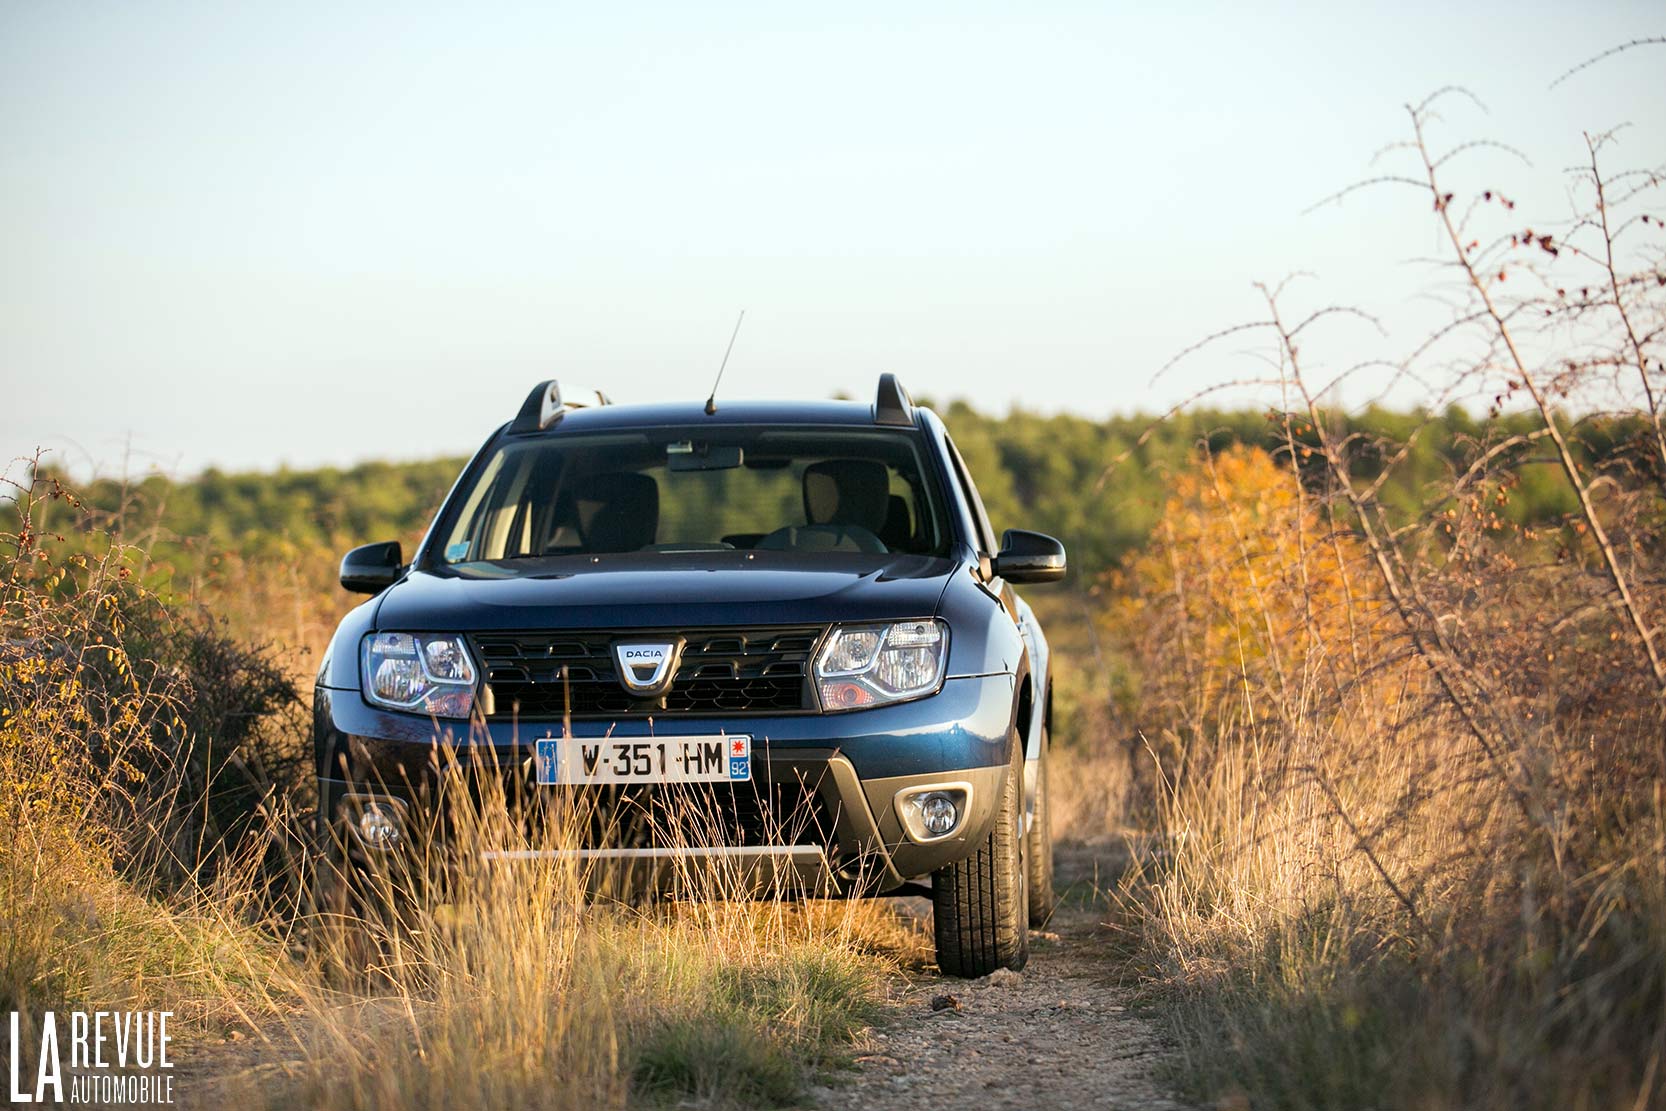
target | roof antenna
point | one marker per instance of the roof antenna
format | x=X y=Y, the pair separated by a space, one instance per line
x=711 y=402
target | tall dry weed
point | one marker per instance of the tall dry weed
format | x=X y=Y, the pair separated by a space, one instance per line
x=502 y=978
x=110 y=799
x=1410 y=764
x=156 y=853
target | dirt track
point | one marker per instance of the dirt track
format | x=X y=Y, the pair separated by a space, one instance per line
x=1060 y=1034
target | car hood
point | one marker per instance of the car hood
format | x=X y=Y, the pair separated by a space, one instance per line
x=665 y=590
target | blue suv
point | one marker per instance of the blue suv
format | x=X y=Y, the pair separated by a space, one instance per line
x=797 y=613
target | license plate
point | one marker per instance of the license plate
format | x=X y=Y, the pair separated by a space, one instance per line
x=576 y=760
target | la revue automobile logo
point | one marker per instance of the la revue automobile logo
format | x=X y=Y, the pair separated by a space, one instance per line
x=89 y=1057
x=646 y=667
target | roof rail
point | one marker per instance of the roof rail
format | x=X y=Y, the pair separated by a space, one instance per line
x=893 y=405
x=548 y=403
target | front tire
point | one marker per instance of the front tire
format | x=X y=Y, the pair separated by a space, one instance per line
x=980 y=911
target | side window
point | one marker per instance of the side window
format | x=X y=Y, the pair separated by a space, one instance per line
x=980 y=518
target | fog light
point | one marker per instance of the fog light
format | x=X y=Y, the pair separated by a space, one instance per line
x=937 y=813
x=933 y=811
x=379 y=826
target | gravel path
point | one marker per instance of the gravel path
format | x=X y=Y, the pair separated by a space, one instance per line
x=1059 y=1034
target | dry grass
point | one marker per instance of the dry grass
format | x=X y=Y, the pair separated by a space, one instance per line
x=1410 y=764
x=1089 y=790
x=493 y=977
x=88 y=913
x=126 y=882
x=524 y=993
x=1366 y=903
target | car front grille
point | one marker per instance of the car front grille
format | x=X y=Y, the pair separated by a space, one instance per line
x=705 y=814
x=547 y=676
x=788 y=808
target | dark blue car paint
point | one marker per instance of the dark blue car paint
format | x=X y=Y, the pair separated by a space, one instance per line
x=646 y=591
x=997 y=668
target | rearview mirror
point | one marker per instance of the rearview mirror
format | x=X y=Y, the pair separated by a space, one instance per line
x=1029 y=557
x=372 y=568
x=686 y=455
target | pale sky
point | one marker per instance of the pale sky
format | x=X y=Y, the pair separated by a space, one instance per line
x=251 y=235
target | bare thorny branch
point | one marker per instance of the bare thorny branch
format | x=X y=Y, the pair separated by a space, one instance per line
x=1633 y=341
x=1657 y=40
x=1427 y=633
x=1570 y=465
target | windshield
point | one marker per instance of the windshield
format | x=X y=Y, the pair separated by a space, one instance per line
x=682 y=490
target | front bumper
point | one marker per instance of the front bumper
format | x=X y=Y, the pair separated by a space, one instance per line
x=848 y=768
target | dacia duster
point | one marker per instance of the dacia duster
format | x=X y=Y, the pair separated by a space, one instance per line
x=799 y=610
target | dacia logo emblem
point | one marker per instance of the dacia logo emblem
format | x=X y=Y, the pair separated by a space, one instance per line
x=646 y=668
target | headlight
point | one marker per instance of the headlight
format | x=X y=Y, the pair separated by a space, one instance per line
x=866 y=665
x=425 y=673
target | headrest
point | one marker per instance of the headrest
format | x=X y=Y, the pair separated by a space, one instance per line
x=847 y=492
x=898 y=532
x=617 y=512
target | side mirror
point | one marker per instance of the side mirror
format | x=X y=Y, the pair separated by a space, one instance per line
x=1029 y=557
x=372 y=568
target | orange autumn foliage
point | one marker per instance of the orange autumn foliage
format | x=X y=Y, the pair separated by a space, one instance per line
x=1250 y=593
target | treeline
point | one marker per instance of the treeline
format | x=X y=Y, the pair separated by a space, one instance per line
x=252 y=513
x=1099 y=485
